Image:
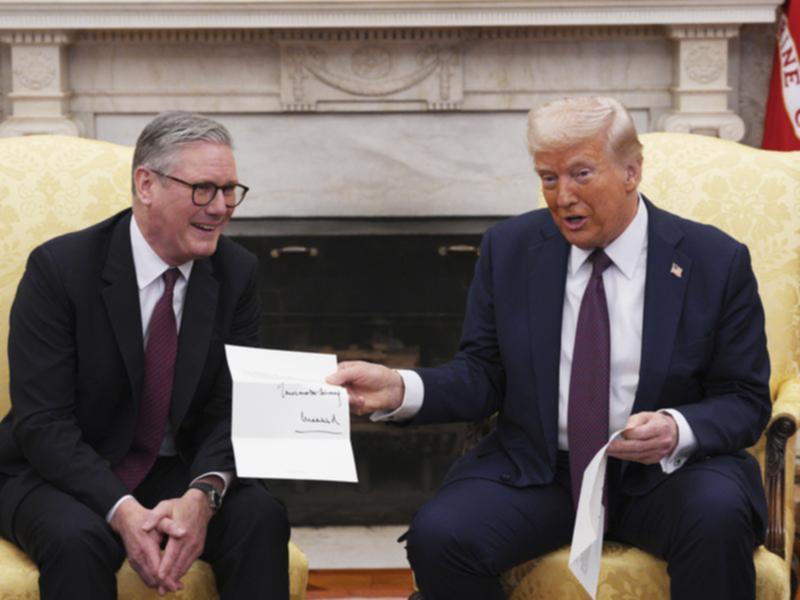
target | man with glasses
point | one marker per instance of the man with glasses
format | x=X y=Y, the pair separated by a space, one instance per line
x=118 y=440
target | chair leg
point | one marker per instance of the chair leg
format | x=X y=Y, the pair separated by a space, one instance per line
x=778 y=434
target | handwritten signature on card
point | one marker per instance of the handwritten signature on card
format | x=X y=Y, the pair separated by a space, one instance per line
x=319 y=423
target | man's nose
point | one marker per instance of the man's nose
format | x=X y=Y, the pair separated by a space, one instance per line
x=564 y=195
x=217 y=204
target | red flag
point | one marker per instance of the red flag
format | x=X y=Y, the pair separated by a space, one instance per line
x=782 y=120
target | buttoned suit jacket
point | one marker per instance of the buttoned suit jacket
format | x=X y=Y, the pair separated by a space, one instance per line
x=703 y=352
x=76 y=357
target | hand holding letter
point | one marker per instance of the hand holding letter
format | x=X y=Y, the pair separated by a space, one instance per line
x=371 y=387
x=647 y=438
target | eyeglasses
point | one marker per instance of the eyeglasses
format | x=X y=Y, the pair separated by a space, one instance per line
x=205 y=191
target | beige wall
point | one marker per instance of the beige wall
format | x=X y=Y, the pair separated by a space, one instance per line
x=5 y=80
x=755 y=48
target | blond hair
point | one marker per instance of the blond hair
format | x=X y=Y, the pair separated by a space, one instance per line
x=570 y=121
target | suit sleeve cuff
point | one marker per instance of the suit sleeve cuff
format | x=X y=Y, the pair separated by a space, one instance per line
x=687 y=443
x=226 y=476
x=412 y=399
x=110 y=513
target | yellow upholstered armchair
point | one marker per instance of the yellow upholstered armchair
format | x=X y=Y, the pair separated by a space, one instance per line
x=50 y=185
x=755 y=196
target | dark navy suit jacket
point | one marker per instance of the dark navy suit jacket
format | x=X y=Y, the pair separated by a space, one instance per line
x=703 y=352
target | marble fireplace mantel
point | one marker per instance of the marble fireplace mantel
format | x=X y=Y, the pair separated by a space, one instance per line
x=216 y=14
x=375 y=75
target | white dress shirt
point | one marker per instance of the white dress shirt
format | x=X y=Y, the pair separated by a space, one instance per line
x=149 y=268
x=624 y=284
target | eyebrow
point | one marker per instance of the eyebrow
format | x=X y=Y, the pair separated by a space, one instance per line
x=580 y=162
x=577 y=163
x=230 y=182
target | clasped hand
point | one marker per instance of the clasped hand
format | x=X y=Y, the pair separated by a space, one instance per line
x=182 y=520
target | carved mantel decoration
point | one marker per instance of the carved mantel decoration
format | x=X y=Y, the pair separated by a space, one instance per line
x=362 y=56
x=425 y=73
x=39 y=94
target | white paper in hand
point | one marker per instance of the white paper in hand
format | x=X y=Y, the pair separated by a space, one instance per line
x=587 y=537
x=287 y=422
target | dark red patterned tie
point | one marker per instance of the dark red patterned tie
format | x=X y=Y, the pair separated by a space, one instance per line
x=587 y=415
x=159 y=367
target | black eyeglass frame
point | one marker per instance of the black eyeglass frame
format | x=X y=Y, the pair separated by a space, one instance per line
x=217 y=188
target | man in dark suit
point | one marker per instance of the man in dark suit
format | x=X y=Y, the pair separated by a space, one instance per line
x=118 y=439
x=601 y=313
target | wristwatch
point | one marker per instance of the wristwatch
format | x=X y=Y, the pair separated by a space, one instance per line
x=214 y=497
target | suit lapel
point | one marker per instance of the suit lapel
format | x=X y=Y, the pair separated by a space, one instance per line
x=197 y=324
x=665 y=290
x=547 y=271
x=121 y=298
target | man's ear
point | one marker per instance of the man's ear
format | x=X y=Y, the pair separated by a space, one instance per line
x=633 y=173
x=143 y=181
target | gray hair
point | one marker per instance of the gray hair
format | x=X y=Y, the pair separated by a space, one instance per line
x=564 y=123
x=163 y=137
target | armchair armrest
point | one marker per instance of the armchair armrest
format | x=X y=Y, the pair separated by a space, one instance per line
x=778 y=463
x=787 y=401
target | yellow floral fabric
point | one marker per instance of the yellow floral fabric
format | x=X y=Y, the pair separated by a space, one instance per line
x=754 y=195
x=19 y=578
x=625 y=574
x=51 y=185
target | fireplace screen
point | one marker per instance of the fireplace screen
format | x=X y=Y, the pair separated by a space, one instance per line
x=392 y=299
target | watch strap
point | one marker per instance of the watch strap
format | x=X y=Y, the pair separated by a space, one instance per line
x=213 y=495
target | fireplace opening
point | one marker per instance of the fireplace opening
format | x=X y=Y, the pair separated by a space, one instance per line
x=395 y=299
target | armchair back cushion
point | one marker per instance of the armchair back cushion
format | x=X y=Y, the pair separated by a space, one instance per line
x=50 y=185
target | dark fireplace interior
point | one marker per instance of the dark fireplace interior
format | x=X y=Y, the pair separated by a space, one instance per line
x=396 y=299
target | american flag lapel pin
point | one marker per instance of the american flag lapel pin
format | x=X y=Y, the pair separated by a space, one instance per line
x=676 y=270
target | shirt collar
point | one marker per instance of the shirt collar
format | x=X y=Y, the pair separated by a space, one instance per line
x=625 y=250
x=146 y=262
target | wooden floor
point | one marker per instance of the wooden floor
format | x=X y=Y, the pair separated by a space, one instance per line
x=359 y=583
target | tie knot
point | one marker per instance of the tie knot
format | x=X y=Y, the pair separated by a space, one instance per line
x=600 y=261
x=170 y=277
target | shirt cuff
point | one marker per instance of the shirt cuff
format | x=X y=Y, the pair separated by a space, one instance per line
x=687 y=443
x=412 y=399
x=110 y=513
x=226 y=476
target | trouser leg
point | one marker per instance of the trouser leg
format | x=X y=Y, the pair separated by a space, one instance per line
x=247 y=545
x=700 y=521
x=474 y=529
x=77 y=553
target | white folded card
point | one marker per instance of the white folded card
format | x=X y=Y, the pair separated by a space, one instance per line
x=287 y=422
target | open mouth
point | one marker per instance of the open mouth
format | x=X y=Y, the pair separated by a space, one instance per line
x=574 y=222
x=203 y=227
